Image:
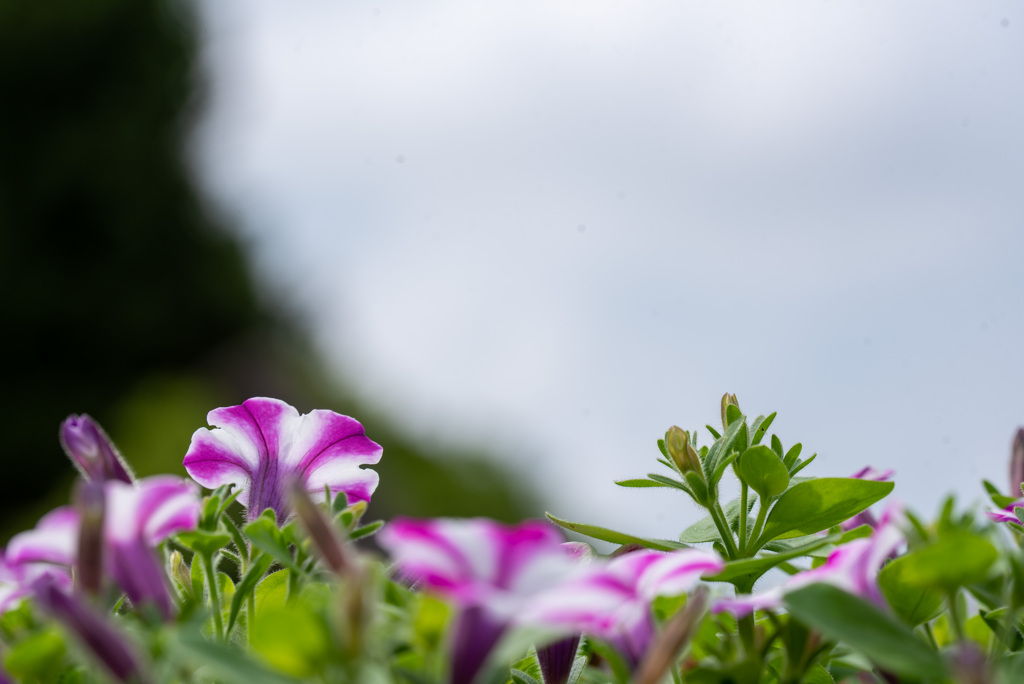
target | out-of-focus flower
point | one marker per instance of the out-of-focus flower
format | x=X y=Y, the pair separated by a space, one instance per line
x=92 y=452
x=852 y=567
x=109 y=646
x=866 y=517
x=138 y=517
x=613 y=600
x=261 y=443
x=1007 y=514
x=490 y=571
x=1017 y=462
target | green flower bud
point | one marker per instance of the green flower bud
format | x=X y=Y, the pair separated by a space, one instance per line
x=677 y=442
x=180 y=571
x=728 y=400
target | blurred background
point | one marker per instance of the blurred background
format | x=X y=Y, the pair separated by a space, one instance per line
x=516 y=240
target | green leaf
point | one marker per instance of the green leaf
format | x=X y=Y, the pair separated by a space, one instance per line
x=817 y=675
x=704 y=530
x=522 y=678
x=760 y=427
x=265 y=535
x=763 y=470
x=616 y=537
x=228 y=664
x=716 y=476
x=914 y=604
x=792 y=455
x=366 y=530
x=817 y=505
x=866 y=628
x=662 y=448
x=721 y=448
x=38 y=656
x=669 y=482
x=953 y=560
x=713 y=431
x=204 y=542
x=247 y=586
x=293 y=639
x=640 y=483
x=997 y=497
x=743 y=573
x=272 y=591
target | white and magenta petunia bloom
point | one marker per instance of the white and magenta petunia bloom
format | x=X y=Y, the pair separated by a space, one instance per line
x=261 y=443
x=1007 y=514
x=47 y=550
x=612 y=600
x=489 y=570
x=853 y=567
x=138 y=517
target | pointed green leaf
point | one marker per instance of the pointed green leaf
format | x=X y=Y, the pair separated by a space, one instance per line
x=866 y=628
x=639 y=483
x=614 y=537
x=817 y=505
x=915 y=604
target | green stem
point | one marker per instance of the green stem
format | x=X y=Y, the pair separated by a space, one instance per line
x=762 y=513
x=746 y=627
x=723 y=529
x=931 y=635
x=211 y=578
x=743 y=515
x=955 y=618
x=251 y=609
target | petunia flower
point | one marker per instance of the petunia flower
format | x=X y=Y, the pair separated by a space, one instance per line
x=92 y=452
x=261 y=443
x=138 y=517
x=488 y=570
x=612 y=600
x=853 y=567
x=1007 y=514
x=866 y=517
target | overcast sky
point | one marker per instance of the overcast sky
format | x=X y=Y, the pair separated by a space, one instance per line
x=558 y=228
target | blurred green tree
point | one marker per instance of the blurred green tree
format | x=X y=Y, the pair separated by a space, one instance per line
x=121 y=291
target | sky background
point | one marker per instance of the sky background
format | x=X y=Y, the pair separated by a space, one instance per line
x=556 y=228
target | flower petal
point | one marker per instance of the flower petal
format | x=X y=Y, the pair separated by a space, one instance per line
x=54 y=540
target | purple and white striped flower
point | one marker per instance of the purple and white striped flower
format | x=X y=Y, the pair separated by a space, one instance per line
x=47 y=550
x=262 y=443
x=92 y=452
x=1007 y=514
x=612 y=600
x=489 y=570
x=853 y=567
x=138 y=517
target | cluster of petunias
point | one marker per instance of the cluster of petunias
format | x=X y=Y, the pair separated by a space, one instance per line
x=499 y=577
x=508 y=576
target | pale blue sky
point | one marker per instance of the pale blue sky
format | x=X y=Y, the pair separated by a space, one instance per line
x=557 y=228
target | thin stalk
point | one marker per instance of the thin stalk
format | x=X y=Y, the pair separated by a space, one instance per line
x=723 y=529
x=762 y=513
x=931 y=635
x=746 y=628
x=211 y=578
x=955 y=618
x=251 y=609
x=743 y=515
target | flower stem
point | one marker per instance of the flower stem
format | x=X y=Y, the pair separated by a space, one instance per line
x=723 y=529
x=762 y=512
x=211 y=578
x=743 y=515
x=955 y=618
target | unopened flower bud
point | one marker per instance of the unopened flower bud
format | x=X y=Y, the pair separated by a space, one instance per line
x=1017 y=463
x=677 y=443
x=180 y=571
x=728 y=400
x=325 y=536
x=90 y=500
x=93 y=630
x=92 y=452
x=556 y=660
x=676 y=634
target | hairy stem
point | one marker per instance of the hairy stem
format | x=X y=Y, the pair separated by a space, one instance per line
x=743 y=515
x=211 y=578
x=723 y=529
x=762 y=513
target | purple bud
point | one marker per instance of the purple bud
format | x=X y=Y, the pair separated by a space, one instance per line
x=1017 y=463
x=92 y=452
x=556 y=660
x=93 y=630
x=325 y=537
x=90 y=501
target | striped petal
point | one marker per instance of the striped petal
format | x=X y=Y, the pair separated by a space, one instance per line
x=261 y=443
